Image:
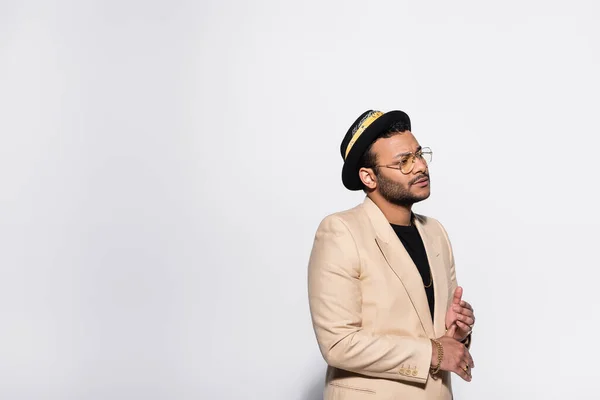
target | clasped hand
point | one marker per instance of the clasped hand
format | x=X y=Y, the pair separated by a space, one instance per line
x=459 y=324
x=460 y=314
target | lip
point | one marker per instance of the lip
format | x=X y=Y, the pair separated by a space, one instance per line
x=422 y=182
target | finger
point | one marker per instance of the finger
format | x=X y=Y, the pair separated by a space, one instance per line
x=462 y=373
x=457 y=295
x=467 y=367
x=470 y=359
x=463 y=310
x=451 y=331
x=466 y=305
x=465 y=319
x=463 y=326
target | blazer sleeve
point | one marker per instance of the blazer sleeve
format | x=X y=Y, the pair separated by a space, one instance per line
x=453 y=281
x=334 y=288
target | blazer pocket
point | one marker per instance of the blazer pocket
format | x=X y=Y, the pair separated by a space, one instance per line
x=352 y=388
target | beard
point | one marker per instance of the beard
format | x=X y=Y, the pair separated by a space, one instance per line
x=396 y=193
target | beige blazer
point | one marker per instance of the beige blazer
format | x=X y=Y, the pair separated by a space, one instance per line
x=369 y=308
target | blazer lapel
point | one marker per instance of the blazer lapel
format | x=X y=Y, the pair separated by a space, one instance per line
x=439 y=274
x=401 y=263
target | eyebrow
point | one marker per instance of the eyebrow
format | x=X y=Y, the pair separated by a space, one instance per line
x=405 y=154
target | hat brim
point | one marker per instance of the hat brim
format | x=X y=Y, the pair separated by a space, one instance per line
x=350 y=176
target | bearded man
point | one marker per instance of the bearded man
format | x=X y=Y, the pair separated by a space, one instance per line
x=386 y=308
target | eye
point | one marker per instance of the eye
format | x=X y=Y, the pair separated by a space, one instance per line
x=404 y=160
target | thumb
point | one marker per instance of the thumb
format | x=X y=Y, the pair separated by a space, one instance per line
x=451 y=331
x=458 y=292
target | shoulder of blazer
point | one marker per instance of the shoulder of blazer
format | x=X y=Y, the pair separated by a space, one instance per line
x=354 y=219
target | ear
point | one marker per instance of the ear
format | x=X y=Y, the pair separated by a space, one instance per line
x=368 y=178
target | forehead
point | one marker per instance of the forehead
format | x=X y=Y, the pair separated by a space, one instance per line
x=388 y=148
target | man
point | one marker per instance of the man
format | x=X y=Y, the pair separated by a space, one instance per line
x=387 y=312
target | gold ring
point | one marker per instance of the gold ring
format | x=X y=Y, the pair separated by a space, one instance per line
x=466 y=369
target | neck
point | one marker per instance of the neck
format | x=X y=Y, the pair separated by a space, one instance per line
x=395 y=214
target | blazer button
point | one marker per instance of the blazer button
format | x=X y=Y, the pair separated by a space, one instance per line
x=414 y=372
x=402 y=371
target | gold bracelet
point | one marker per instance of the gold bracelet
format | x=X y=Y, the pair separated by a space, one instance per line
x=440 y=356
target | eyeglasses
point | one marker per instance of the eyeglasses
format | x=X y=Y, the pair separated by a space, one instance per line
x=407 y=162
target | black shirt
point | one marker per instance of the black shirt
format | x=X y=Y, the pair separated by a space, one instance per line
x=410 y=238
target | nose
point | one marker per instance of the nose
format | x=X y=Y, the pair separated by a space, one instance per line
x=420 y=165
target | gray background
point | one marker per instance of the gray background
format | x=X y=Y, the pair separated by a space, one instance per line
x=164 y=166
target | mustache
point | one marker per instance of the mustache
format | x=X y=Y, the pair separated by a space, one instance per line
x=422 y=176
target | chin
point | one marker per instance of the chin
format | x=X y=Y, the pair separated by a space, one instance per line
x=422 y=196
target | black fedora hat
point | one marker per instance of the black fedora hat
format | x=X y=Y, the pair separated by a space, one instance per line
x=364 y=131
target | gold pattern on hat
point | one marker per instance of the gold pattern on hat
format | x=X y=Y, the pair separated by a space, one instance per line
x=359 y=131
